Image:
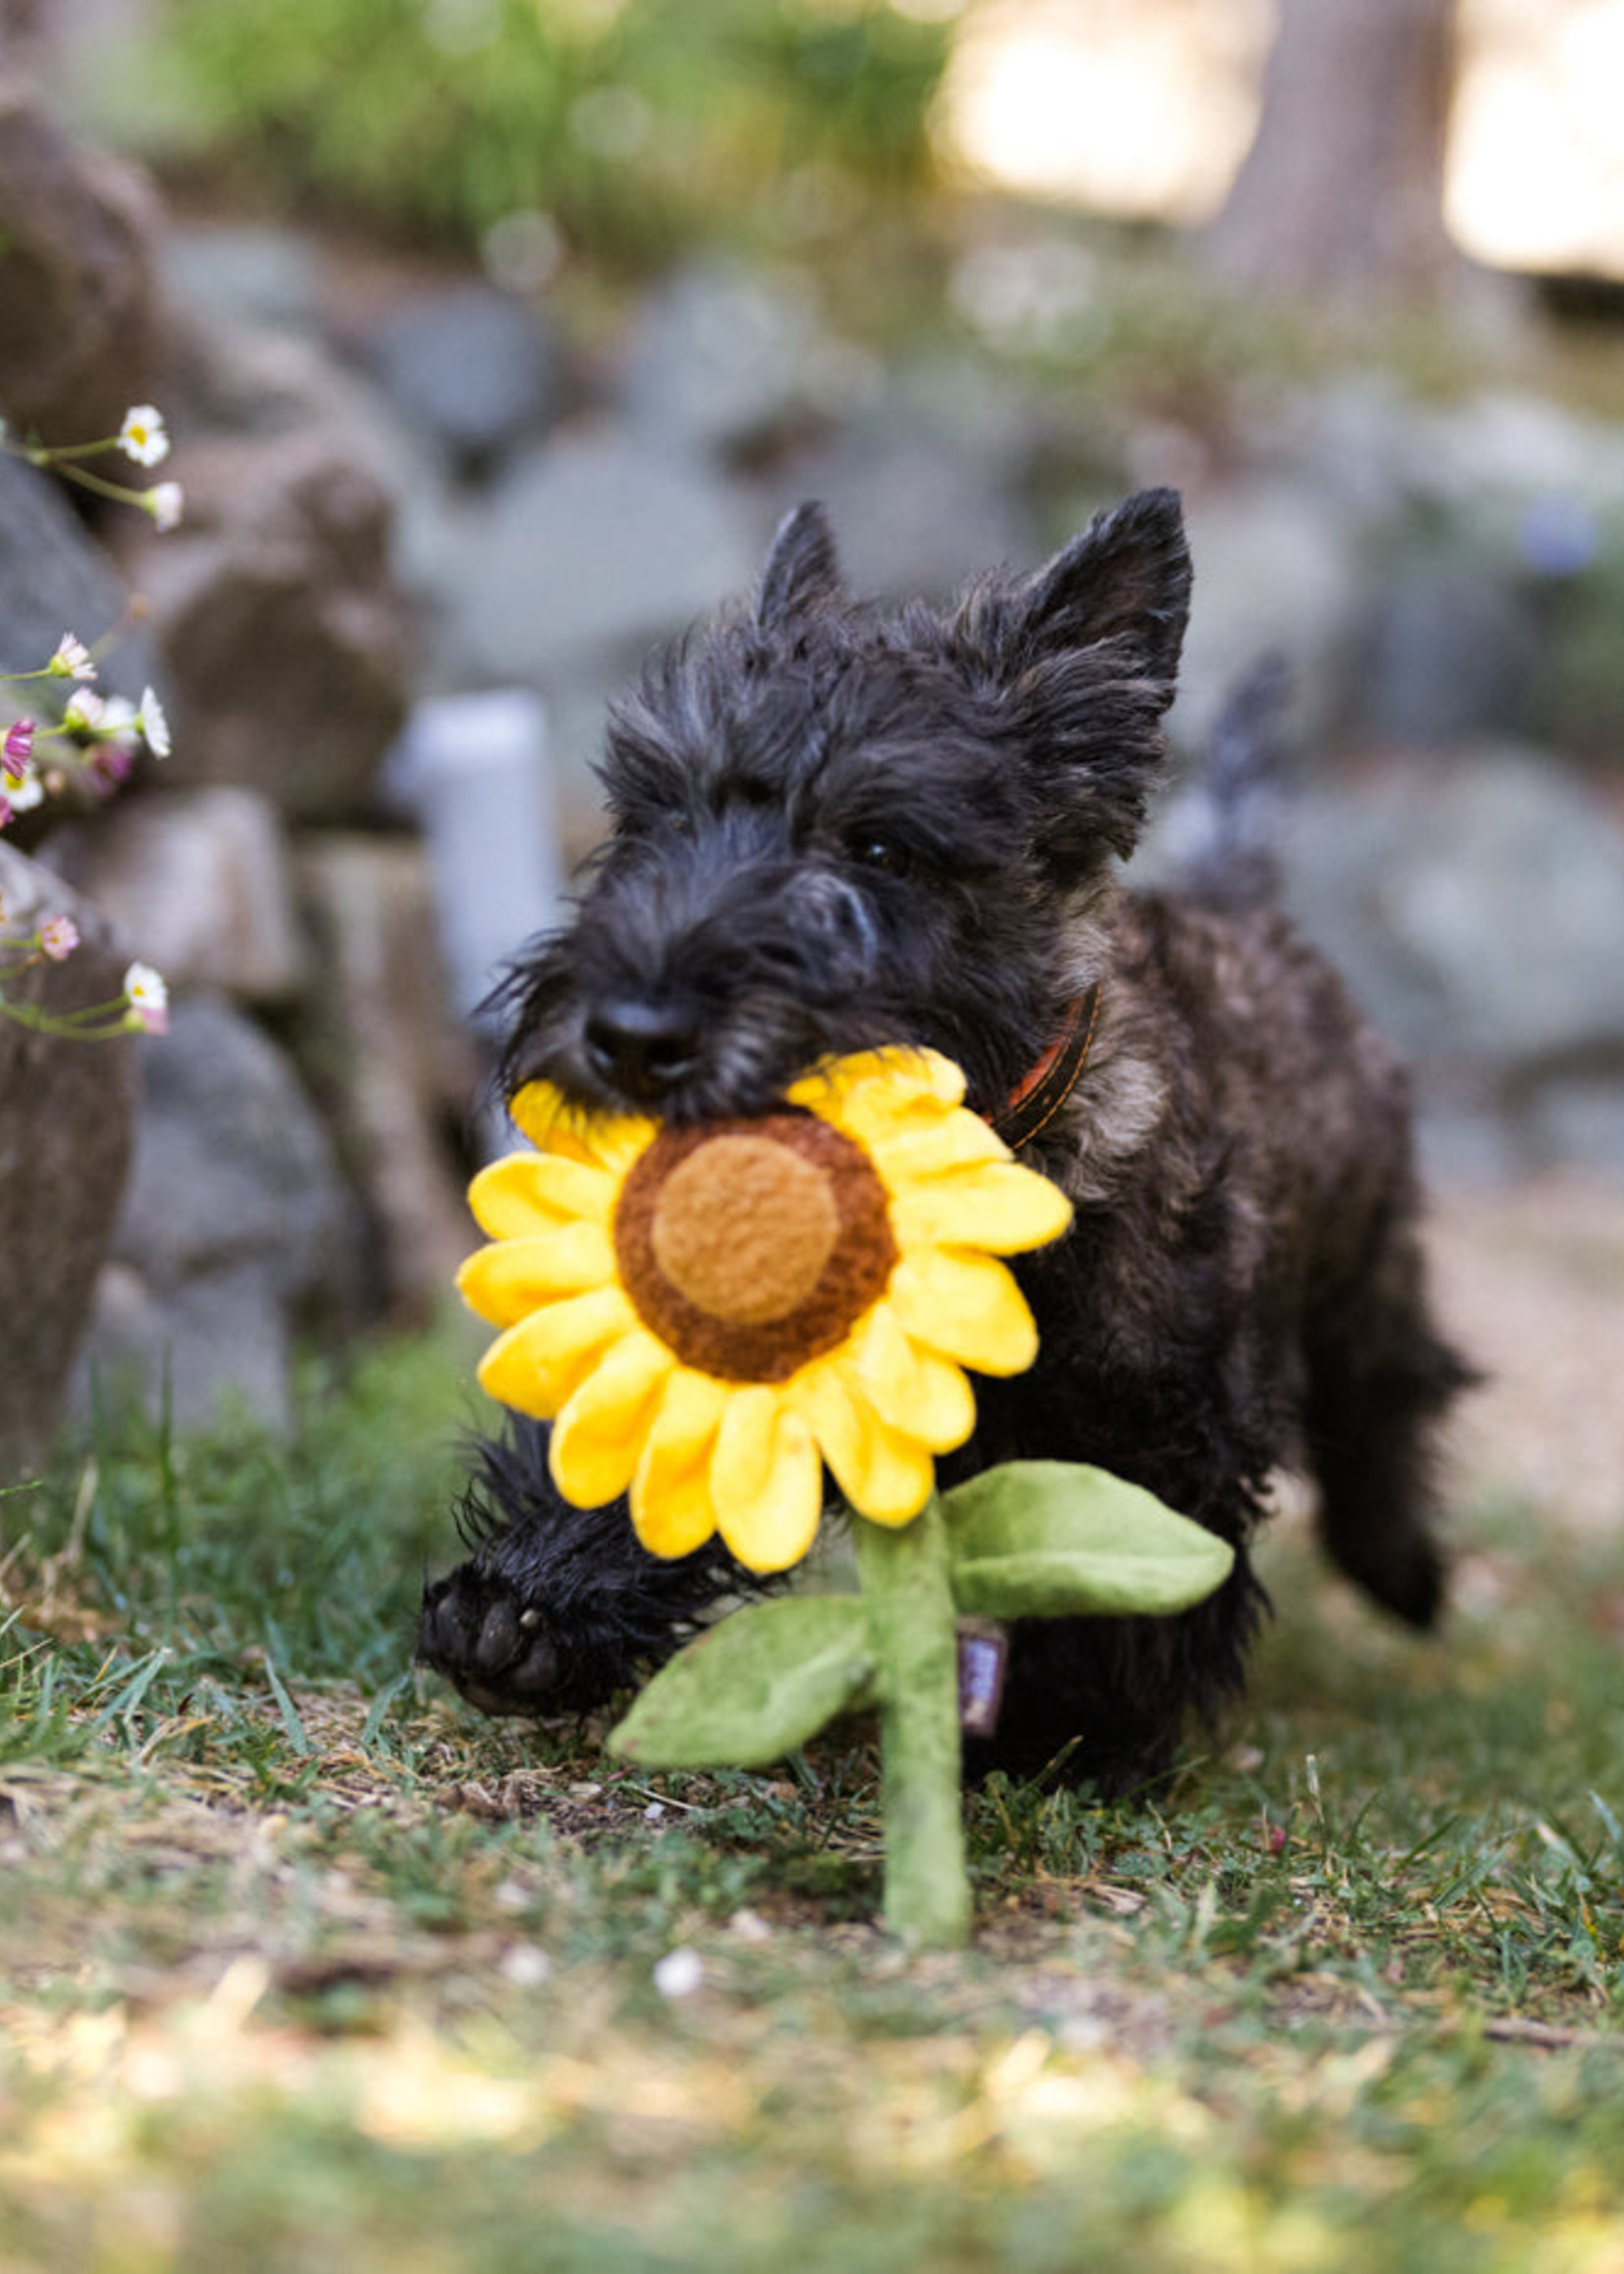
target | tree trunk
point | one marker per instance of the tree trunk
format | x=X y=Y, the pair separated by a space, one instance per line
x=1341 y=193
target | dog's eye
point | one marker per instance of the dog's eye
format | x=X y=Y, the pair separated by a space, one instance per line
x=883 y=853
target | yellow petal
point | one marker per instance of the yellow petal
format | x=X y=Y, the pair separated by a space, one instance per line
x=516 y=1276
x=535 y=1365
x=610 y=1141
x=614 y=1140
x=672 y=1511
x=883 y=1472
x=534 y=1191
x=744 y=1448
x=874 y=1088
x=964 y=1305
x=672 y=1506
x=921 y=1147
x=540 y=1110
x=599 y=1436
x=507 y=1198
x=912 y=1389
x=881 y=1359
x=998 y=1205
x=838 y=1416
x=766 y=1479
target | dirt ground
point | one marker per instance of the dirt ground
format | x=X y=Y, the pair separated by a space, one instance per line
x=1530 y=1282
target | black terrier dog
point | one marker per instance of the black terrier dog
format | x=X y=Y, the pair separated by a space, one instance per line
x=838 y=826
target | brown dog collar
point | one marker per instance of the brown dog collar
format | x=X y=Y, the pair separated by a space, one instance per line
x=1040 y=1093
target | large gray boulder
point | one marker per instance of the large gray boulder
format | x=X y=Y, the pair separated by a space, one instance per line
x=85 y=326
x=288 y=638
x=916 y=508
x=236 y=1227
x=55 y=578
x=1452 y=652
x=1280 y=566
x=470 y=366
x=200 y=880
x=1476 y=904
x=65 y=1125
x=597 y=543
x=726 y=359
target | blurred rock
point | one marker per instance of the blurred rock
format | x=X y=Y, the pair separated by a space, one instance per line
x=66 y=1111
x=288 y=638
x=732 y=359
x=917 y=505
x=470 y=366
x=1476 y=905
x=1452 y=653
x=595 y=546
x=53 y=579
x=1579 y=1123
x=212 y=1348
x=202 y=883
x=396 y=1072
x=235 y=1226
x=1279 y=565
x=227 y=274
x=85 y=327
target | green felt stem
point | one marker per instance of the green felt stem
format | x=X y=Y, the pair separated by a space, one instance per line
x=908 y=1595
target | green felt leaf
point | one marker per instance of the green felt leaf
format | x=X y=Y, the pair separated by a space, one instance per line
x=754 y=1687
x=1045 y=1538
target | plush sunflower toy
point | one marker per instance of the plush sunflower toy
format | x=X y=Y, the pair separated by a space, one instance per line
x=710 y=1316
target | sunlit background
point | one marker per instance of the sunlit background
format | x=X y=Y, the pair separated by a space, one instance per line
x=1147 y=110
x=1136 y=109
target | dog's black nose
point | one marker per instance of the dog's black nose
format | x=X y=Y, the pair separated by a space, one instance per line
x=645 y=1049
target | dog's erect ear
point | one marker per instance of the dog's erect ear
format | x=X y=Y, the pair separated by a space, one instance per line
x=1085 y=654
x=1125 y=577
x=801 y=567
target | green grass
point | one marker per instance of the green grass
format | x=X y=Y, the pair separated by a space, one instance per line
x=302 y=1964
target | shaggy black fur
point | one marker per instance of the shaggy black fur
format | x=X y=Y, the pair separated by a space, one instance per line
x=835 y=826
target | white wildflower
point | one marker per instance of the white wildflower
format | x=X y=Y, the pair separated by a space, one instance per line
x=147 y=998
x=72 y=660
x=143 y=435
x=88 y=709
x=164 y=503
x=154 y=726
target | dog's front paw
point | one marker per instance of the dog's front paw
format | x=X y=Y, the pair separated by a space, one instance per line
x=495 y=1649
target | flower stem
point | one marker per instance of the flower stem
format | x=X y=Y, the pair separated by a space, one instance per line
x=906 y=1588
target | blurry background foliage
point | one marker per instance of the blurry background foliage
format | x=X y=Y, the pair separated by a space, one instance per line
x=631 y=125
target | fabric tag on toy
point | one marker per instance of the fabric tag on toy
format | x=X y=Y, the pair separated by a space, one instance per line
x=983 y=1650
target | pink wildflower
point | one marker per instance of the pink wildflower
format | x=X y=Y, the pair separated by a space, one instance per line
x=19 y=748
x=113 y=760
x=58 y=938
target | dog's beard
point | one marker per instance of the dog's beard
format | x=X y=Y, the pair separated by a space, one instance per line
x=750 y=1050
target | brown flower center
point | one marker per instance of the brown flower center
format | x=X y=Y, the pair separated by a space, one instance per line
x=752 y=1247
